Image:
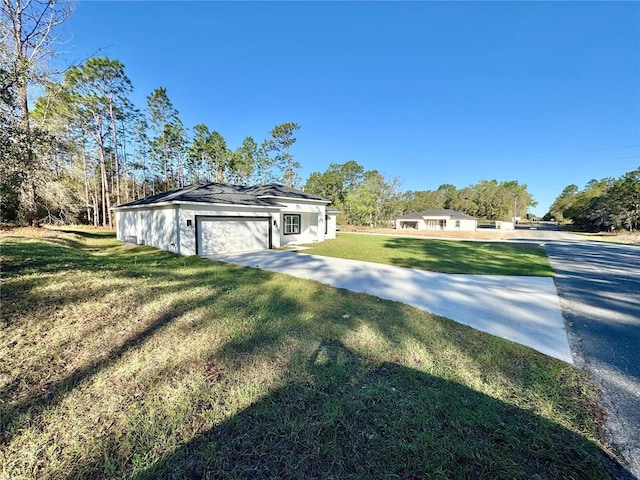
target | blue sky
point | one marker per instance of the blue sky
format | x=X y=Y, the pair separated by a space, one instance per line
x=546 y=93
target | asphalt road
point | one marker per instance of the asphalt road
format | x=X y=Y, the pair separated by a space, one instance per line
x=599 y=288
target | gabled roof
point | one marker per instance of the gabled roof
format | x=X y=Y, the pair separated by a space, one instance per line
x=445 y=212
x=221 y=193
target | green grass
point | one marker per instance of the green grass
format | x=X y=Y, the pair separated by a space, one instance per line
x=445 y=256
x=135 y=363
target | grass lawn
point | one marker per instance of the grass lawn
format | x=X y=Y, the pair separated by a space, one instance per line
x=136 y=363
x=626 y=238
x=445 y=256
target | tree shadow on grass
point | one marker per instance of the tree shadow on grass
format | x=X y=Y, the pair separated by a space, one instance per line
x=103 y=234
x=354 y=420
x=47 y=258
x=347 y=418
x=57 y=254
x=42 y=256
x=29 y=265
x=489 y=258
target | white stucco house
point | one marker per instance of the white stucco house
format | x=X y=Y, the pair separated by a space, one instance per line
x=444 y=219
x=214 y=218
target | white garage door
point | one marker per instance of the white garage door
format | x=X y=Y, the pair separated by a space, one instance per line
x=232 y=234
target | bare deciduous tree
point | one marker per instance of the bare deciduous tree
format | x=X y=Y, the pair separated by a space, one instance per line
x=28 y=34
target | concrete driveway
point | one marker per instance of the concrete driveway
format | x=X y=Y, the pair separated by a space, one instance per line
x=525 y=310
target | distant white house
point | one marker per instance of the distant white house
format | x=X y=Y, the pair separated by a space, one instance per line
x=502 y=225
x=214 y=218
x=444 y=219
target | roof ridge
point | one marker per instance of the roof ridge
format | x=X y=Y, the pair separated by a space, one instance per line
x=215 y=192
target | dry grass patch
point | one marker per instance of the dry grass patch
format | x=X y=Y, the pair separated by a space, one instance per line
x=627 y=238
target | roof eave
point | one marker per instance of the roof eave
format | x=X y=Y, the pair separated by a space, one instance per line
x=275 y=206
x=143 y=205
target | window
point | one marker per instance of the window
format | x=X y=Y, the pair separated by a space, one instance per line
x=291 y=224
x=457 y=223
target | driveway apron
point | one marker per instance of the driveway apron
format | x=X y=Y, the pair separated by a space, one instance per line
x=525 y=310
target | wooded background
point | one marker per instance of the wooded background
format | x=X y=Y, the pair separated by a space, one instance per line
x=82 y=146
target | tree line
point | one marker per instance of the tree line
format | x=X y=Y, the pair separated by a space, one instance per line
x=84 y=146
x=602 y=205
x=370 y=198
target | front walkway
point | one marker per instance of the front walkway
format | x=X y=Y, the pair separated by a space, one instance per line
x=525 y=310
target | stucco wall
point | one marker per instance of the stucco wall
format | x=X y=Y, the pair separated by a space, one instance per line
x=127 y=226
x=501 y=225
x=162 y=229
x=312 y=222
x=465 y=225
x=154 y=227
x=331 y=227
x=468 y=225
x=173 y=227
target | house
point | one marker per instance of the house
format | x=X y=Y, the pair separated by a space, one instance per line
x=445 y=219
x=214 y=218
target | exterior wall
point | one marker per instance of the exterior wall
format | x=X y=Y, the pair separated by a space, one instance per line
x=160 y=228
x=127 y=226
x=500 y=225
x=155 y=227
x=187 y=233
x=466 y=225
x=331 y=220
x=173 y=227
x=146 y=226
x=438 y=223
x=312 y=222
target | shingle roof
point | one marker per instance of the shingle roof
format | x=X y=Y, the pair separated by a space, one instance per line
x=275 y=190
x=221 y=193
x=436 y=213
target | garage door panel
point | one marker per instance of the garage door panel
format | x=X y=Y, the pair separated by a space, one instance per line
x=218 y=235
